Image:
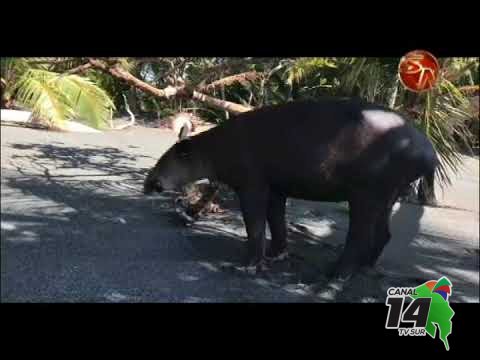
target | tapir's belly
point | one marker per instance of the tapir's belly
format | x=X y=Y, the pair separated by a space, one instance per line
x=327 y=194
x=314 y=184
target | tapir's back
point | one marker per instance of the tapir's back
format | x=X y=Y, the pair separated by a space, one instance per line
x=328 y=140
x=302 y=130
x=309 y=120
x=326 y=115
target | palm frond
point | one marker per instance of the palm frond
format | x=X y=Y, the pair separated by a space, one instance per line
x=374 y=80
x=90 y=103
x=351 y=71
x=13 y=63
x=55 y=98
x=463 y=71
x=306 y=67
x=445 y=111
x=12 y=68
x=37 y=91
x=129 y=64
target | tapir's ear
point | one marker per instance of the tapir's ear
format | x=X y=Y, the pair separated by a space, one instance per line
x=183 y=133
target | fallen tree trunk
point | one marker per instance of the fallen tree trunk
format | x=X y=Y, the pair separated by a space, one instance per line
x=243 y=78
x=180 y=91
x=79 y=69
x=221 y=104
x=124 y=75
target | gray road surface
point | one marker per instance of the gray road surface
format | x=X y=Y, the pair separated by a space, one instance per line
x=75 y=228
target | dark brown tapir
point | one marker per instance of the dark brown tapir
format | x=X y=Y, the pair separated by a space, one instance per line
x=331 y=149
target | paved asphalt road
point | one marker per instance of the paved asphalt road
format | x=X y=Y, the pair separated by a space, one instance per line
x=75 y=228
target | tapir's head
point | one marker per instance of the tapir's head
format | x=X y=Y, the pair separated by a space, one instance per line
x=179 y=166
x=173 y=170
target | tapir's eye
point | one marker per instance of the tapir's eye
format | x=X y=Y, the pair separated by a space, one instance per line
x=158 y=188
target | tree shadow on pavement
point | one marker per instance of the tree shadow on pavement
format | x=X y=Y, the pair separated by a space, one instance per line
x=69 y=239
x=107 y=160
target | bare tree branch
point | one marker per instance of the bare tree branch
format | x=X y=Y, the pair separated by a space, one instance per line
x=469 y=89
x=124 y=75
x=132 y=116
x=53 y=61
x=170 y=91
x=221 y=104
x=79 y=69
x=243 y=78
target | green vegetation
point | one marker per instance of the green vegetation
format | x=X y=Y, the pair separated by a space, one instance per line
x=53 y=96
x=56 y=89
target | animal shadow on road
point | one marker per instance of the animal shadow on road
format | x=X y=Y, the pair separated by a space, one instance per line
x=414 y=257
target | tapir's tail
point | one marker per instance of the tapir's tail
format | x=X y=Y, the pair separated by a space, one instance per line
x=425 y=165
x=426 y=186
x=430 y=164
x=426 y=169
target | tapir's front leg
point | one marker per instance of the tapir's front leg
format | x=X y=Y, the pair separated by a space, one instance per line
x=278 y=226
x=254 y=202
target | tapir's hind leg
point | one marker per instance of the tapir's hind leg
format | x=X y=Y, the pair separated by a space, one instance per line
x=369 y=230
x=382 y=231
x=363 y=214
x=277 y=225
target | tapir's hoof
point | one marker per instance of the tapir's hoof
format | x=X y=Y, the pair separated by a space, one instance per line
x=373 y=271
x=341 y=276
x=430 y=203
x=278 y=256
x=330 y=291
x=343 y=272
x=186 y=218
x=347 y=273
x=257 y=267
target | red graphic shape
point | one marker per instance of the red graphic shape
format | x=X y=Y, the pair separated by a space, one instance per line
x=419 y=70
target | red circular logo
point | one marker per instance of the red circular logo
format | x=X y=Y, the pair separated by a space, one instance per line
x=419 y=70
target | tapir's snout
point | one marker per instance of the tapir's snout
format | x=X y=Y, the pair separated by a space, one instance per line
x=152 y=186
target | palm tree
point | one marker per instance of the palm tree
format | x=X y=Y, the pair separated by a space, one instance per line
x=440 y=113
x=54 y=97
